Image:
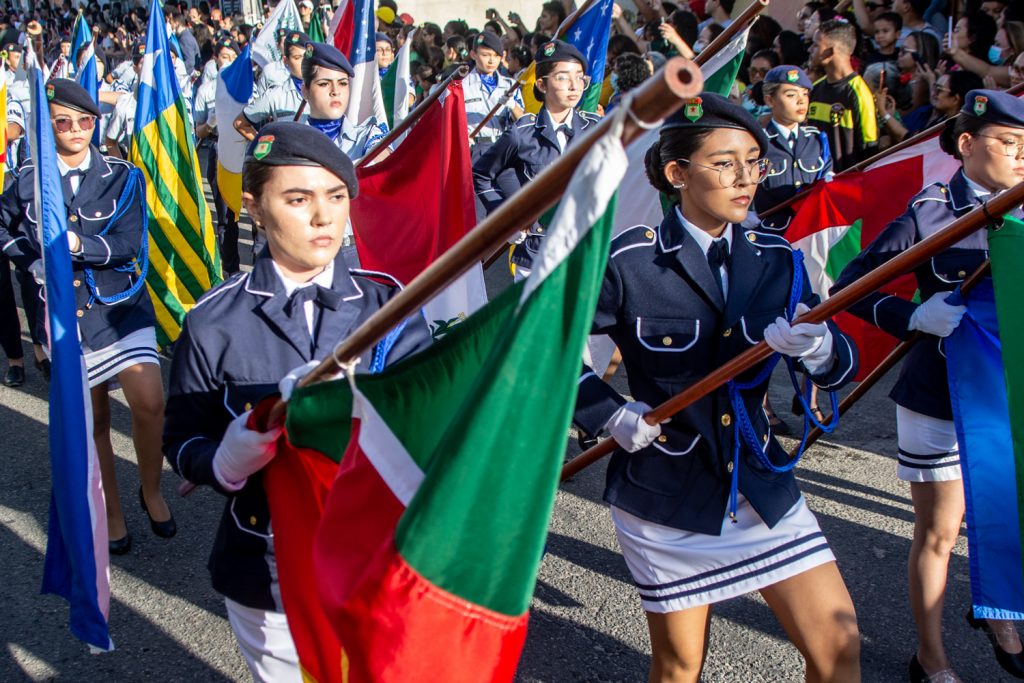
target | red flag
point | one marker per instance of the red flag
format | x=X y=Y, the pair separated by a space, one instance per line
x=343 y=26
x=418 y=202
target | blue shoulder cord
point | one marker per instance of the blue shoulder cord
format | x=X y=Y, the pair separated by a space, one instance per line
x=826 y=153
x=139 y=264
x=382 y=350
x=742 y=424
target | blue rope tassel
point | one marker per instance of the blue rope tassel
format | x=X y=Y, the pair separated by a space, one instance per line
x=139 y=264
x=743 y=428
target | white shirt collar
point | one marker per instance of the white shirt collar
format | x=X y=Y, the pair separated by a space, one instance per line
x=324 y=279
x=83 y=167
x=704 y=239
x=784 y=131
x=976 y=189
x=567 y=122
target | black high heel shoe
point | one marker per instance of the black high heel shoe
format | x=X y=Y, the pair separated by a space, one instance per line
x=162 y=529
x=917 y=674
x=1012 y=664
x=120 y=546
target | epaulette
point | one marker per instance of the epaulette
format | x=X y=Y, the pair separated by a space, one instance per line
x=376 y=276
x=228 y=284
x=526 y=120
x=631 y=238
x=589 y=116
x=809 y=130
x=767 y=240
x=936 y=192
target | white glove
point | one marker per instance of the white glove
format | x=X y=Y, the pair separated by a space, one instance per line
x=629 y=428
x=937 y=317
x=36 y=270
x=242 y=452
x=287 y=384
x=810 y=342
x=517 y=238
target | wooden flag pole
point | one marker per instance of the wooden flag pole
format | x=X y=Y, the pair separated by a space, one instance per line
x=913 y=140
x=890 y=361
x=414 y=116
x=999 y=205
x=658 y=97
x=509 y=92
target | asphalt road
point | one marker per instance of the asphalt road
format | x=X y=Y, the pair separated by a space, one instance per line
x=586 y=624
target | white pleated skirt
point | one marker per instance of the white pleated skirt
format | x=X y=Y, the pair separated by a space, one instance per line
x=928 y=448
x=138 y=347
x=675 y=570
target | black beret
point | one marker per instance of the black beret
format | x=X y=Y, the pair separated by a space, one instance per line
x=383 y=38
x=559 y=51
x=12 y=47
x=290 y=143
x=297 y=38
x=138 y=51
x=711 y=110
x=65 y=37
x=229 y=43
x=66 y=92
x=787 y=73
x=995 y=107
x=489 y=40
x=329 y=57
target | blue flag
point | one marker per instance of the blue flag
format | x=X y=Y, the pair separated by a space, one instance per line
x=77 y=565
x=977 y=387
x=83 y=52
x=588 y=33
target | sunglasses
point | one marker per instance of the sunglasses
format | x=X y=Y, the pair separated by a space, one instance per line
x=64 y=124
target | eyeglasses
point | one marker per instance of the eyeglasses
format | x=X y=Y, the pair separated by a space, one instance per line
x=63 y=124
x=563 y=81
x=1011 y=148
x=754 y=70
x=941 y=88
x=729 y=171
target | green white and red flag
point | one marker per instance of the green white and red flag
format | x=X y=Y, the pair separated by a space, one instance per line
x=840 y=218
x=429 y=542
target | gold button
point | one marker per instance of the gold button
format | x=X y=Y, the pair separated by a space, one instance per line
x=729 y=467
x=539 y=229
x=97 y=214
x=248 y=406
x=252 y=521
x=752 y=236
x=942 y=190
x=667 y=341
x=727 y=333
x=79 y=312
x=649 y=235
x=962 y=273
x=766 y=438
x=662 y=439
x=726 y=420
x=73 y=218
x=797 y=184
x=77 y=283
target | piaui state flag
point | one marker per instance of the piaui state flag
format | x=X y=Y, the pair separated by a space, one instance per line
x=77 y=565
x=431 y=537
x=838 y=219
x=184 y=261
x=417 y=203
x=234 y=90
x=986 y=381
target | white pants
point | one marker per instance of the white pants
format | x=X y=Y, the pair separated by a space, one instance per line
x=265 y=642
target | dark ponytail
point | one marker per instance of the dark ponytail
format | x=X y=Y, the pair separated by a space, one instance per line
x=673 y=144
x=954 y=128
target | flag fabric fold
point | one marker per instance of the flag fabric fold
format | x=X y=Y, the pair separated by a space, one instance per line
x=234 y=90
x=265 y=47
x=184 y=261
x=432 y=532
x=77 y=565
x=417 y=203
x=986 y=381
x=397 y=84
x=83 y=59
x=366 y=97
x=342 y=26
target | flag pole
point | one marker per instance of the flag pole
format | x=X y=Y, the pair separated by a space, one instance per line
x=871 y=282
x=860 y=166
x=739 y=24
x=658 y=97
x=890 y=361
x=414 y=116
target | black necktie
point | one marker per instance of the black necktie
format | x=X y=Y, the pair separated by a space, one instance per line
x=296 y=310
x=65 y=182
x=718 y=256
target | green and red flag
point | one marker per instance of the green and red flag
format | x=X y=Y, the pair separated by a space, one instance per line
x=434 y=528
x=838 y=219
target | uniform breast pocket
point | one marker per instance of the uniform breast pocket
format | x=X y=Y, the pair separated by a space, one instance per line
x=669 y=346
x=239 y=398
x=752 y=325
x=95 y=215
x=952 y=268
